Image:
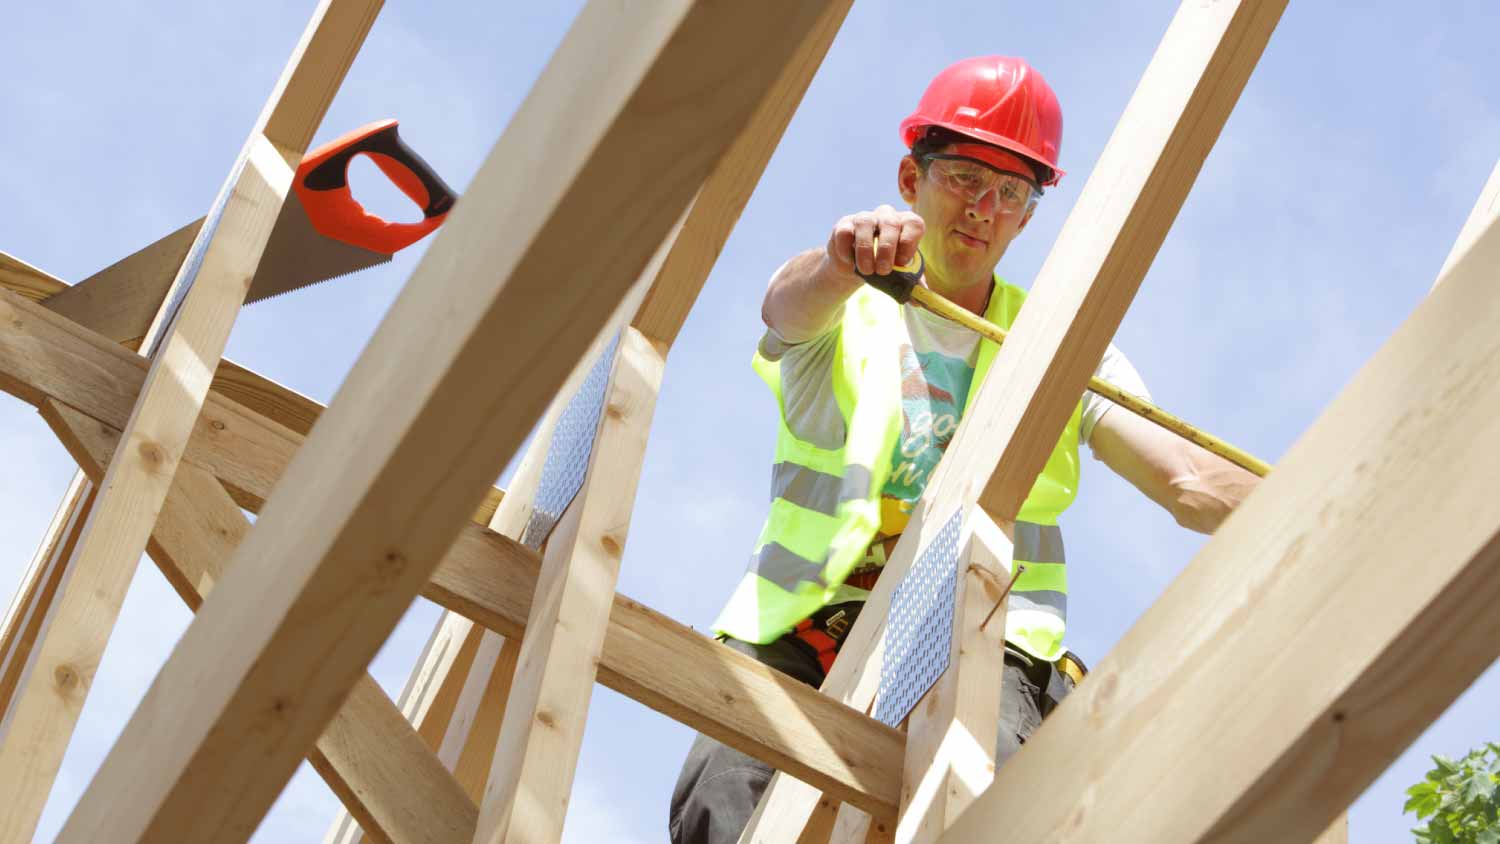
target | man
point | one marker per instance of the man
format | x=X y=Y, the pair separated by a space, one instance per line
x=871 y=392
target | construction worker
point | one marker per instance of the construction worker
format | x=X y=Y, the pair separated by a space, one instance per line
x=871 y=392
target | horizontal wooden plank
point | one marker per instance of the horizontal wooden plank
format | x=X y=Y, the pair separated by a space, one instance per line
x=25 y=280
x=44 y=355
x=484 y=577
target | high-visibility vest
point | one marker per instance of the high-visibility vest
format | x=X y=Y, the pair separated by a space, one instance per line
x=825 y=503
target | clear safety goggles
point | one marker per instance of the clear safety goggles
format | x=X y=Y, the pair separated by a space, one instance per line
x=971 y=179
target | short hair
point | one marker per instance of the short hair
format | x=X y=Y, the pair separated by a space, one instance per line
x=935 y=138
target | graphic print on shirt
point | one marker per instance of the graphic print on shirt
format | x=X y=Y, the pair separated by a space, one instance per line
x=934 y=387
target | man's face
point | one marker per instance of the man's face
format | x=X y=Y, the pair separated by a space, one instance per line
x=966 y=234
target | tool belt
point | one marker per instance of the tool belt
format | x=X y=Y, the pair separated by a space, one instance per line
x=824 y=630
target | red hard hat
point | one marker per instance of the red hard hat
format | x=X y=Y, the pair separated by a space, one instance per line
x=1000 y=100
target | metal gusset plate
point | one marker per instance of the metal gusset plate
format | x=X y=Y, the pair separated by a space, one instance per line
x=919 y=628
x=568 y=454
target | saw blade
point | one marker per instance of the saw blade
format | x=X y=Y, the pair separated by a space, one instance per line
x=298 y=255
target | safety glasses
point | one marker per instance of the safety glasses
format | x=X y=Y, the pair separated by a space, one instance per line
x=970 y=180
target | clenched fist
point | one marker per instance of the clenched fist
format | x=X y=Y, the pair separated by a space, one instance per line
x=872 y=242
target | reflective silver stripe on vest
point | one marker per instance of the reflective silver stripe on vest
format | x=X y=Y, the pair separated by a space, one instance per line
x=1045 y=601
x=1039 y=543
x=784 y=567
x=819 y=491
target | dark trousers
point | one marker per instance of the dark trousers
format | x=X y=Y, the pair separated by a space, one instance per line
x=719 y=786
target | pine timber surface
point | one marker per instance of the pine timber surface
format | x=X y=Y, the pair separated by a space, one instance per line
x=24 y=279
x=51 y=696
x=186 y=344
x=474 y=688
x=471 y=751
x=728 y=188
x=25 y=618
x=491 y=579
x=1075 y=306
x=1396 y=470
x=1483 y=214
x=424 y=703
x=369 y=755
x=381 y=488
x=951 y=733
x=695 y=248
x=535 y=760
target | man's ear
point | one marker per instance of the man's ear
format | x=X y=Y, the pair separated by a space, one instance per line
x=906 y=179
x=1026 y=219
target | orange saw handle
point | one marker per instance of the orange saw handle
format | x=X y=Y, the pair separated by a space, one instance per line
x=322 y=185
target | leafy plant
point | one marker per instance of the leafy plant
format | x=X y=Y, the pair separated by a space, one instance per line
x=1460 y=801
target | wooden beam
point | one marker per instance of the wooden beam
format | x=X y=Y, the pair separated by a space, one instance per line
x=246 y=441
x=186 y=341
x=470 y=752
x=1484 y=212
x=369 y=755
x=548 y=705
x=121 y=300
x=366 y=510
x=491 y=580
x=1336 y=833
x=25 y=280
x=679 y=672
x=728 y=189
x=456 y=694
x=1076 y=304
x=52 y=693
x=32 y=602
x=250 y=389
x=425 y=702
x=952 y=732
x=1376 y=543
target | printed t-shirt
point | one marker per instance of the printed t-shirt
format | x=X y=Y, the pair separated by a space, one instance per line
x=937 y=371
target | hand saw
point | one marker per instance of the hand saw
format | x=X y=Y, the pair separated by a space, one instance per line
x=320 y=233
x=323 y=233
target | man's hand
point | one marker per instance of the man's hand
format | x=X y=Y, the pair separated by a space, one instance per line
x=875 y=241
x=807 y=293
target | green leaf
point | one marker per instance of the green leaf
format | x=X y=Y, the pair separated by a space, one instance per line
x=1422 y=804
x=1446 y=765
x=1477 y=787
x=1488 y=836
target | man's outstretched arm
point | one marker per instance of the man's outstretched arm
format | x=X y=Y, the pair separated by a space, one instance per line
x=806 y=294
x=1197 y=487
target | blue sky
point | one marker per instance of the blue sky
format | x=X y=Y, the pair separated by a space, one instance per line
x=1319 y=221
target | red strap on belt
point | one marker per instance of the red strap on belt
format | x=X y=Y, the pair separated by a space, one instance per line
x=824 y=644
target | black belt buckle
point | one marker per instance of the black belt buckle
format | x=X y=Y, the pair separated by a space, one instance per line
x=835 y=620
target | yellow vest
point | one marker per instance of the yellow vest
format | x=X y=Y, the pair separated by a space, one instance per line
x=825 y=503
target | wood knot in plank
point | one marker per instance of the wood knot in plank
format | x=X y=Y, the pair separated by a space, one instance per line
x=1104 y=690
x=546 y=719
x=217 y=424
x=612 y=546
x=66 y=678
x=390 y=564
x=153 y=455
x=614 y=411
